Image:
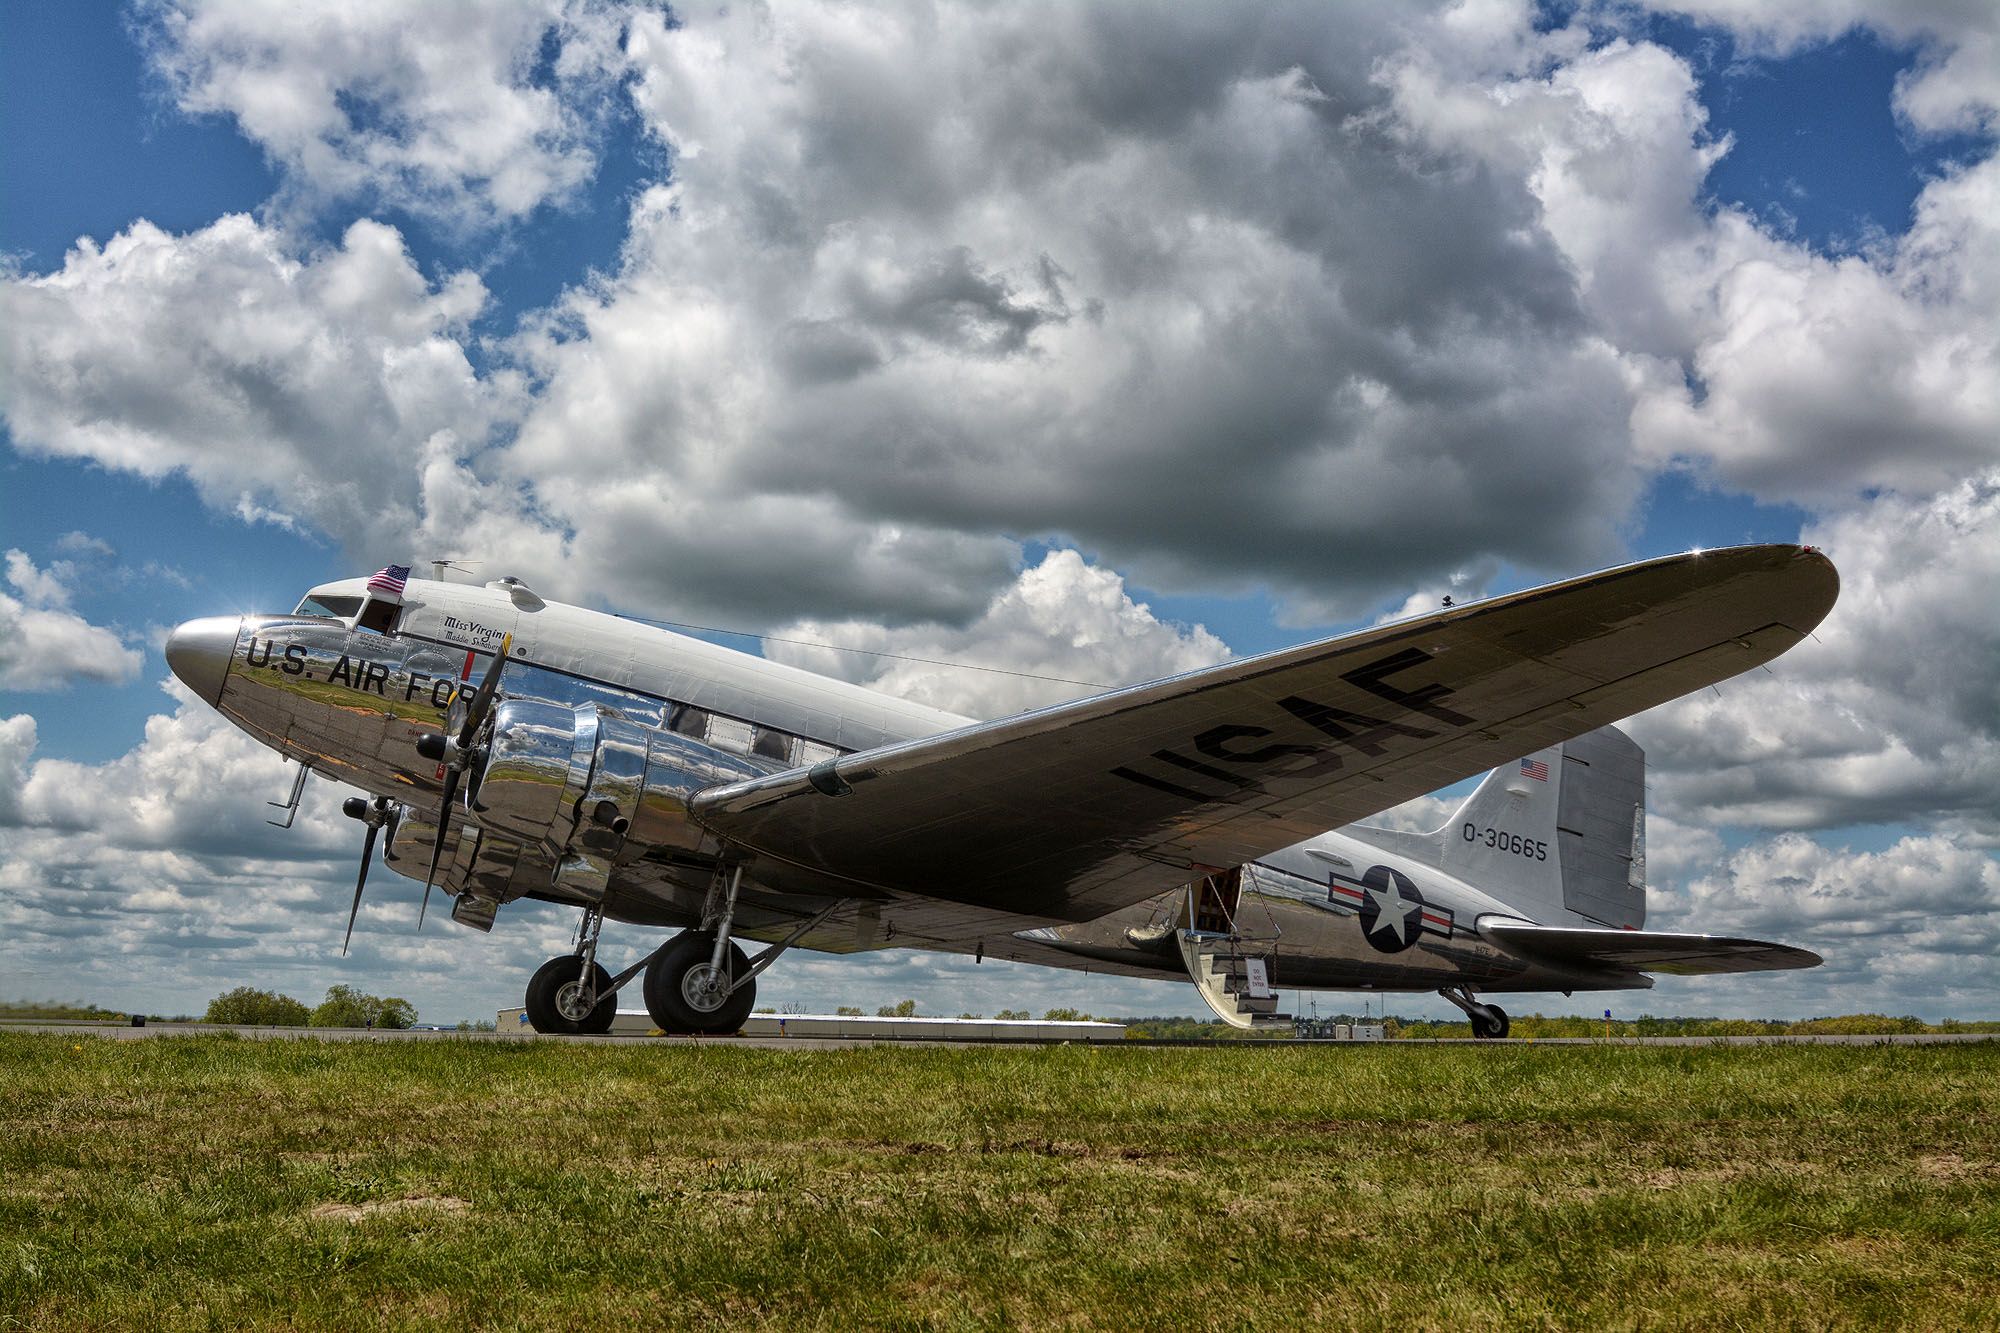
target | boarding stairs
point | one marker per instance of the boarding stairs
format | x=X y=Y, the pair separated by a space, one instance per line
x=1232 y=973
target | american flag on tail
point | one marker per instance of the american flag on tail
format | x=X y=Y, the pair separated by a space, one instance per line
x=389 y=580
x=1536 y=769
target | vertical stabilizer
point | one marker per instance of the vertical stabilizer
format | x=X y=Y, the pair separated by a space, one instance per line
x=1561 y=831
x=1504 y=841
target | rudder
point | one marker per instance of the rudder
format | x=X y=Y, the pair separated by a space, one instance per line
x=1601 y=824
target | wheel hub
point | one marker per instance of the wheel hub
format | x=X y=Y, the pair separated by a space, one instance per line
x=705 y=988
x=572 y=1003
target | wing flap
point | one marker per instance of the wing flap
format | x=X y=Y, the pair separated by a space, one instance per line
x=1070 y=812
x=1581 y=948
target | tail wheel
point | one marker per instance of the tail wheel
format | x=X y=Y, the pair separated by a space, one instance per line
x=683 y=994
x=554 y=996
x=1489 y=1021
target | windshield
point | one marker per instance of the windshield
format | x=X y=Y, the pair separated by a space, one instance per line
x=328 y=607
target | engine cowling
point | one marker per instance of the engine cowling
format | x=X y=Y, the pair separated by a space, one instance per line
x=590 y=788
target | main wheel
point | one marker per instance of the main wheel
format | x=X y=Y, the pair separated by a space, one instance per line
x=682 y=993
x=553 y=994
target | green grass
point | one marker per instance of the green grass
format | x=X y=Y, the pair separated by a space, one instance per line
x=200 y=1182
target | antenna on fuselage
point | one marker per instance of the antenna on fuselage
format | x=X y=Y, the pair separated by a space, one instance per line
x=439 y=564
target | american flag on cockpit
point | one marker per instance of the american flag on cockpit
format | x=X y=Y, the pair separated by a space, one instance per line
x=389 y=580
x=1536 y=769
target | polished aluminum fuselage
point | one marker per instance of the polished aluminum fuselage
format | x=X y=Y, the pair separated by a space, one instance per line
x=351 y=703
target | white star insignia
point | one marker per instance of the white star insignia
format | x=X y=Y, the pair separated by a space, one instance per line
x=1391 y=909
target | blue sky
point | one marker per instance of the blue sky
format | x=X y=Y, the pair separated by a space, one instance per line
x=1025 y=344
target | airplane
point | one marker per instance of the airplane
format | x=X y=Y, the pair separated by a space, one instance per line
x=514 y=747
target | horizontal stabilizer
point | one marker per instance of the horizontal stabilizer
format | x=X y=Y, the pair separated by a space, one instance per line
x=1642 y=950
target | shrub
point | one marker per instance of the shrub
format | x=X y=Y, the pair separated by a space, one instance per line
x=346 y=1007
x=249 y=1006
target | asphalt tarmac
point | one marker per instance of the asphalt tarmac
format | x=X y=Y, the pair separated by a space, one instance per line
x=119 y=1032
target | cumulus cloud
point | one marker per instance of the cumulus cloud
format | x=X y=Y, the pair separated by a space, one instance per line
x=1065 y=629
x=1325 y=308
x=1954 y=87
x=1164 y=287
x=46 y=646
x=1890 y=714
x=1751 y=358
x=1909 y=926
x=469 y=113
x=320 y=387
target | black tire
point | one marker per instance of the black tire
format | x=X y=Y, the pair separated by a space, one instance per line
x=667 y=991
x=551 y=977
x=1489 y=1022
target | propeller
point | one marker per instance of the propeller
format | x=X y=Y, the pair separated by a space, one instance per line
x=372 y=816
x=454 y=749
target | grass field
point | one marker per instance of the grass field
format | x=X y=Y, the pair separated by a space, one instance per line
x=210 y=1182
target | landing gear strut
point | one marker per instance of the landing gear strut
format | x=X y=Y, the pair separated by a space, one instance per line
x=568 y=995
x=1489 y=1021
x=687 y=993
x=701 y=982
x=573 y=994
x=696 y=982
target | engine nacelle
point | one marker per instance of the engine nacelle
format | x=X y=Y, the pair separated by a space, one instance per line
x=585 y=786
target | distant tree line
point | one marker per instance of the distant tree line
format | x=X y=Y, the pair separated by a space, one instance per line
x=344 y=1007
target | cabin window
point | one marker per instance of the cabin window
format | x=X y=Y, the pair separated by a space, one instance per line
x=328 y=607
x=688 y=721
x=727 y=733
x=772 y=745
x=815 y=752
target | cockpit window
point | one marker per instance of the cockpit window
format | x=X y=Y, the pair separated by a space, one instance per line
x=379 y=615
x=329 y=607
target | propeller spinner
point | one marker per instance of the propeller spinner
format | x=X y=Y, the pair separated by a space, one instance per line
x=455 y=749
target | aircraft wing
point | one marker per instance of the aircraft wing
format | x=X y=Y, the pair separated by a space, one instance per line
x=1643 y=950
x=1069 y=812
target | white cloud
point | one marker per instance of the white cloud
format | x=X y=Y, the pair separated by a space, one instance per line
x=1955 y=86
x=41 y=587
x=1890 y=714
x=1064 y=629
x=83 y=544
x=469 y=113
x=314 y=386
x=46 y=646
x=1913 y=927
x=1230 y=305
x=1782 y=372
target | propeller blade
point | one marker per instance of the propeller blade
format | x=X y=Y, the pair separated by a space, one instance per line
x=444 y=827
x=482 y=699
x=465 y=720
x=367 y=852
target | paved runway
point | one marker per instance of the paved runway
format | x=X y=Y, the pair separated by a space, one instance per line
x=119 y=1032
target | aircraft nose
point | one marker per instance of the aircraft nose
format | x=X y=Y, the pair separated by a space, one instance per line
x=200 y=651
